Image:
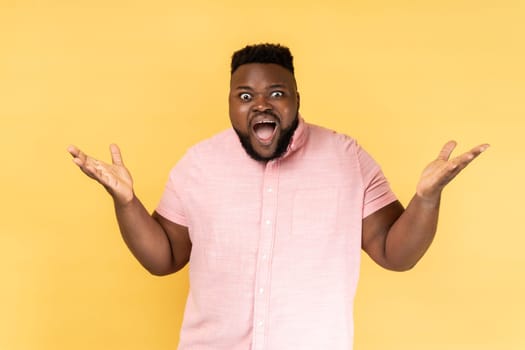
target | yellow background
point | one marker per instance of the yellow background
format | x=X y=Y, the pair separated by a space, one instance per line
x=402 y=77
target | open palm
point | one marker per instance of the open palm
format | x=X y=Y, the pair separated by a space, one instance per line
x=442 y=170
x=114 y=177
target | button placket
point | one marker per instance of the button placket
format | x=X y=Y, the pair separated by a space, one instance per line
x=267 y=232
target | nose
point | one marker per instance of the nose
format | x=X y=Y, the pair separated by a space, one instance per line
x=261 y=103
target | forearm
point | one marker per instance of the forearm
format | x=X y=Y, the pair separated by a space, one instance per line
x=412 y=233
x=144 y=236
x=395 y=238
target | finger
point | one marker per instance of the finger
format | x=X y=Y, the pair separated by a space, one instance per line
x=447 y=149
x=90 y=166
x=95 y=169
x=116 y=156
x=87 y=164
x=73 y=150
x=79 y=157
x=78 y=162
x=467 y=157
x=480 y=149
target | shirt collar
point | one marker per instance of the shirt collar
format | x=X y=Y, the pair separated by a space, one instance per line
x=298 y=139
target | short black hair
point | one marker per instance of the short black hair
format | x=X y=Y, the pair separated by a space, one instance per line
x=263 y=53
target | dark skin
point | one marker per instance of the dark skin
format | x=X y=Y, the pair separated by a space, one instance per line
x=394 y=237
x=161 y=246
x=263 y=93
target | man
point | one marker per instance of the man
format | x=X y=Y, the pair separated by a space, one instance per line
x=273 y=229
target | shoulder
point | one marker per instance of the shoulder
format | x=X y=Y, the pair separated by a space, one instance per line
x=206 y=151
x=215 y=155
x=225 y=140
x=321 y=138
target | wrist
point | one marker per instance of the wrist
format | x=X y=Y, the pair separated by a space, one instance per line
x=429 y=201
x=123 y=201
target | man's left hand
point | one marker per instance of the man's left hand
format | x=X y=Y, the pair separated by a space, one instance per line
x=442 y=170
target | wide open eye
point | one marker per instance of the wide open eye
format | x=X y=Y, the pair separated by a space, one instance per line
x=245 y=97
x=277 y=94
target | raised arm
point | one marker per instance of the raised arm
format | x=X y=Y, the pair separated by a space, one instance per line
x=161 y=246
x=396 y=238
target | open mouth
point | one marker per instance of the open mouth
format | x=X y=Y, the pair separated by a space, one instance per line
x=264 y=131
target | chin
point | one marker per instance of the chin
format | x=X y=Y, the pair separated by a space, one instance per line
x=277 y=148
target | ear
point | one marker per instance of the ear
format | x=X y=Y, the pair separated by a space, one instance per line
x=298 y=100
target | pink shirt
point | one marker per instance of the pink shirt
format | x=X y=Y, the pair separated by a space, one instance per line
x=276 y=246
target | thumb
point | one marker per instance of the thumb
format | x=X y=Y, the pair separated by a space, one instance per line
x=447 y=149
x=116 y=157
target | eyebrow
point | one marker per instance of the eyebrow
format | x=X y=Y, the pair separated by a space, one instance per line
x=242 y=87
x=273 y=86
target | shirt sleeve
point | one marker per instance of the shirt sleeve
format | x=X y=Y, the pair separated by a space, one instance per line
x=171 y=204
x=377 y=192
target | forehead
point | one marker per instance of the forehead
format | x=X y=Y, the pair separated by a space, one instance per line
x=261 y=75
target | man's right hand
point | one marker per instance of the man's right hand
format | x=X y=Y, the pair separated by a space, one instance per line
x=115 y=178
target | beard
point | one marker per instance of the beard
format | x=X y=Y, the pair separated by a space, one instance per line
x=282 y=143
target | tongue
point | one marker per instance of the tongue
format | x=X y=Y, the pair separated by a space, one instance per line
x=264 y=131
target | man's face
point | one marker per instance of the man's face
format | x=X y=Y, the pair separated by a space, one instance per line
x=264 y=106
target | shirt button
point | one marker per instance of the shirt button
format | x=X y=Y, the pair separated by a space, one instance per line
x=261 y=290
x=264 y=257
x=268 y=222
x=270 y=189
x=260 y=323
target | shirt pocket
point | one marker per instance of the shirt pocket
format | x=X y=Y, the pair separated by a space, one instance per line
x=315 y=212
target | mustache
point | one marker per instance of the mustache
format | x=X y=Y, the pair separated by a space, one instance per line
x=267 y=113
